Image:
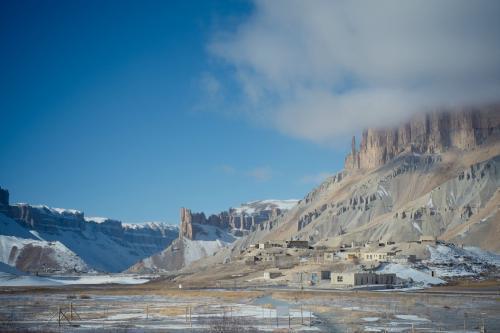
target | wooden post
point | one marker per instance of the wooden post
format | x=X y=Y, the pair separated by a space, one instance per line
x=301 y=315
x=277 y=323
x=71 y=311
x=310 y=317
x=59 y=315
x=190 y=322
x=288 y=319
x=147 y=311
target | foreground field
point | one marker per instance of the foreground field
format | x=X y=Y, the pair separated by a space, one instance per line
x=158 y=307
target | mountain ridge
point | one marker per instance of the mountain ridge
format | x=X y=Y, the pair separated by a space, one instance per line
x=104 y=245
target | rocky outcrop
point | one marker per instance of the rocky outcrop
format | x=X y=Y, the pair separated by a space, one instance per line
x=236 y=220
x=4 y=201
x=434 y=132
x=201 y=237
x=186 y=227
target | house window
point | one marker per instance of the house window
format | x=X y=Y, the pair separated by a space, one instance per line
x=340 y=278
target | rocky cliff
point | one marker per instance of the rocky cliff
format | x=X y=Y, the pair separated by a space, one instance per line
x=101 y=243
x=200 y=236
x=4 y=201
x=235 y=220
x=434 y=132
x=438 y=175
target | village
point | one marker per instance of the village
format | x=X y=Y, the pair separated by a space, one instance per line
x=297 y=264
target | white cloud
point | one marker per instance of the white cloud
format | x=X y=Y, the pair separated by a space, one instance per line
x=320 y=69
x=261 y=174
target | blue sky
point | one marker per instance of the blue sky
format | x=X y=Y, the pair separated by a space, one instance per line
x=108 y=107
x=133 y=109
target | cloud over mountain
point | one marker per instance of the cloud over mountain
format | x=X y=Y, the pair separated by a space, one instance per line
x=319 y=69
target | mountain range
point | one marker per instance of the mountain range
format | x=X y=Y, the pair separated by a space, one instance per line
x=44 y=239
x=438 y=174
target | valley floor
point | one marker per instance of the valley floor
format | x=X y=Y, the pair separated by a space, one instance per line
x=158 y=306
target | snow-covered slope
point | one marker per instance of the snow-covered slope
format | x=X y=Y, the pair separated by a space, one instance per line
x=445 y=261
x=183 y=251
x=200 y=237
x=258 y=206
x=40 y=238
x=28 y=252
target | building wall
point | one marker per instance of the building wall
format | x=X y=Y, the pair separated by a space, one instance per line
x=359 y=279
x=329 y=256
x=374 y=256
x=342 y=279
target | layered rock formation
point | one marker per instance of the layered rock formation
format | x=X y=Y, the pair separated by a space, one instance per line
x=434 y=132
x=236 y=220
x=438 y=175
x=200 y=236
x=103 y=244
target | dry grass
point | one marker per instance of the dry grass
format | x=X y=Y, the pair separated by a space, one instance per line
x=170 y=311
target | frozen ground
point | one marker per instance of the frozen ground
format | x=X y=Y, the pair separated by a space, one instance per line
x=94 y=312
x=19 y=280
x=198 y=311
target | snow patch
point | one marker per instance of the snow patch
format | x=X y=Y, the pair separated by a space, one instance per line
x=255 y=207
x=406 y=273
x=416 y=226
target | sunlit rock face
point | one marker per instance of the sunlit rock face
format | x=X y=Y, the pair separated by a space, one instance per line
x=434 y=132
x=238 y=220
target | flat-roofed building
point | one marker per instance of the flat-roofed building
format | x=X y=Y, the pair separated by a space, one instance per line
x=403 y=259
x=352 y=279
x=298 y=244
x=374 y=256
x=428 y=239
x=329 y=256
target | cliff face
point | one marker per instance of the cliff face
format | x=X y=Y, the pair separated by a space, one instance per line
x=434 y=132
x=4 y=197
x=4 y=201
x=236 y=220
x=103 y=244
